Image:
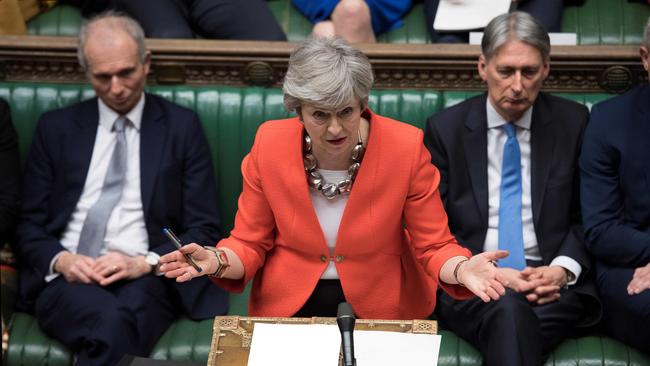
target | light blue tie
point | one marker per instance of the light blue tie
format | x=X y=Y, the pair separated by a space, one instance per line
x=92 y=234
x=510 y=231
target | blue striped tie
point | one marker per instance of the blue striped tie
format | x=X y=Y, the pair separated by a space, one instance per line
x=510 y=231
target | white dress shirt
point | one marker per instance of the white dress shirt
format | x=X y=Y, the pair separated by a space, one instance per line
x=126 y=230
x=496 y=138
x=329 y=213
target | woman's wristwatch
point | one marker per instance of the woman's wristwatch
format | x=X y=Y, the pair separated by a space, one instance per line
x=222 y=259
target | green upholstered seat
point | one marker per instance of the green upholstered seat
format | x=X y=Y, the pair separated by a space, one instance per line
x=596 y=22
x=230 y=117
x=30 y=346
x=185 y=340
x=61 y=20
x=606 y=22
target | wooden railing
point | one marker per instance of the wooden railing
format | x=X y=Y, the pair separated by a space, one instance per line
x=251 y=63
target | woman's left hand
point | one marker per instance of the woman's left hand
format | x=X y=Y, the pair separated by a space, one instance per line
x=480 y=275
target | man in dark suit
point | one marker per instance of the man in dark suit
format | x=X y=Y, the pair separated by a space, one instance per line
x=218 y=19
x=103 y=178
x=9 y=188
x=508 y=164
x=615 y=181
x=10 y=170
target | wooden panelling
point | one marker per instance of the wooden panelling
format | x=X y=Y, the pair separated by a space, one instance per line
x=242 y=63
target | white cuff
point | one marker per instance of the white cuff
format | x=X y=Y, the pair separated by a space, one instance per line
x=51 y=274
x=569 y=264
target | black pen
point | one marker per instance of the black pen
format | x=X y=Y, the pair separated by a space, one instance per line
x=177 y=243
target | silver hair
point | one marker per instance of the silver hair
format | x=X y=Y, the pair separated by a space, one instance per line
x=515 y=26
x=646 y=35
x=118 y=20
x=328 y=73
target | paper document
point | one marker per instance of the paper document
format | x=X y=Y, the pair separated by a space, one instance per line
x=377 y=348
x=557 y=39
x=320 y=345
x=295 y=345
x=460 y=15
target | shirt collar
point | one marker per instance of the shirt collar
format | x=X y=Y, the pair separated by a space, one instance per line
x=107 y=116
x=494 y=119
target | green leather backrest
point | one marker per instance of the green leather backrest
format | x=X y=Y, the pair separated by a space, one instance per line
x=606 y=22
x=62 y=20
x=595 y=22
x=230 y=117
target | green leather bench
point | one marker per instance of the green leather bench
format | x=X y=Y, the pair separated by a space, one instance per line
x=230 y=117
x=611 y=22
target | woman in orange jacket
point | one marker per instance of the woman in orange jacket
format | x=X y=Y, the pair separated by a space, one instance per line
x=339 y=204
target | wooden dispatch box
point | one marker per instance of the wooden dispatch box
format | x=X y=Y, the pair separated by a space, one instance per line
x=232 y=335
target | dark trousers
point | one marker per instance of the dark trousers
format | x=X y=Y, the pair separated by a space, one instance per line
x=511 y=331
x=548 y=12
x=218 y=19
x=101 y=324
x=625 y=317
x=324 y=301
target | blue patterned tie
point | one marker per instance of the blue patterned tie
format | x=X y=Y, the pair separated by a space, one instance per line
x=92 y=234
x=510 y=231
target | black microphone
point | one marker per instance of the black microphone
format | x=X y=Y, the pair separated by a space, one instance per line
x=345 y=319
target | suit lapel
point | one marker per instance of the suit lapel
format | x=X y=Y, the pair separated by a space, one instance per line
x=475 y=146
x=153 y=132
x=79 y=151
x=542 y=141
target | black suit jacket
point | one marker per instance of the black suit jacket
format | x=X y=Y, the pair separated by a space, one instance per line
x=177 y=188
x=10 y=171
x=457 y=140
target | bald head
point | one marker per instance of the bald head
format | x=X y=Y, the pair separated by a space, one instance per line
x=111 y=49
x=109 y=29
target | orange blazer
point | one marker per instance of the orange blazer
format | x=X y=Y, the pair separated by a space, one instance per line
x=392 y=241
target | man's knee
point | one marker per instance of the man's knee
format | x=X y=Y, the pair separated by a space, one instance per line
x=512 y=314
x=170 y=32
x=324 y=29
x=510 y=305
x=349 y=11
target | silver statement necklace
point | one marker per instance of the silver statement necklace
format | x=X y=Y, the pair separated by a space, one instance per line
x=316 y=180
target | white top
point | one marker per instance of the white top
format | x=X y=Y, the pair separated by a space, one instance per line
x=329 y=213
x=496 y=138
x=125 y=231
